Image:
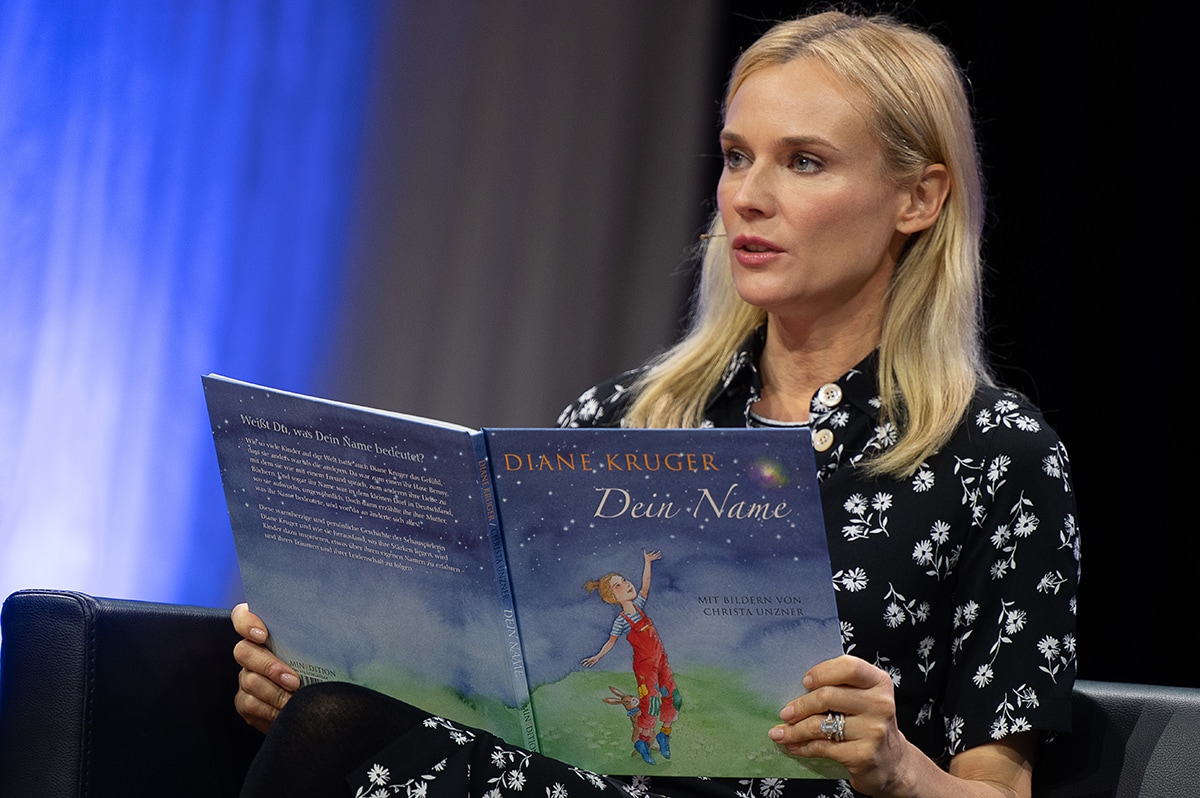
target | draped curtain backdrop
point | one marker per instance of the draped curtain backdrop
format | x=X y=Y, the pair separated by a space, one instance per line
x=471 y=210
x=537 y=174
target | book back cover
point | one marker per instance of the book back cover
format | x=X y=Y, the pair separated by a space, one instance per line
x=363 y=542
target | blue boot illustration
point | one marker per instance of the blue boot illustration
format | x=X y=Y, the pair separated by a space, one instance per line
x=664 y=744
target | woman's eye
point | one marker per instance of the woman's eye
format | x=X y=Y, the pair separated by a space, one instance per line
x=734 y=159
x=804 y=163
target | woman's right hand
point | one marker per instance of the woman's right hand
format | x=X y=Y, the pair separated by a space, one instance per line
x=266 y=682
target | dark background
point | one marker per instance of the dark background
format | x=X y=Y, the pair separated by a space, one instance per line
x=1090 y=181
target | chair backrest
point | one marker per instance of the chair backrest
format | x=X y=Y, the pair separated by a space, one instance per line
x=1127 y=741
x=106 y=697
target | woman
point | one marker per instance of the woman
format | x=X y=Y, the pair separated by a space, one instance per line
x=840 y=289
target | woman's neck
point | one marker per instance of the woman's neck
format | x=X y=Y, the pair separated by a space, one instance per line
x=798 y=358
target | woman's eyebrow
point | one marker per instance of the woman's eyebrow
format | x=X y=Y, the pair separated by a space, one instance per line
x=730 y=137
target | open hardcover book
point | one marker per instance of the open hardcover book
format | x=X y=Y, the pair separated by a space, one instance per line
x=451 y=568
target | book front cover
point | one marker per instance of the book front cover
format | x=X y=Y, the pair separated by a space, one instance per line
x=671 y=588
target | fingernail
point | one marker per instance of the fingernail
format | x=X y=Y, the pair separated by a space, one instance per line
x=290 y=681
x=258 y=635
x=776 y=733
x=787 y=713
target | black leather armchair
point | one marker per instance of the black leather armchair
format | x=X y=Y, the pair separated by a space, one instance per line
x=103 y=697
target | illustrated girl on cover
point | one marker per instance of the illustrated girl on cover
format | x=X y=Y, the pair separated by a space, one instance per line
x=655 y=681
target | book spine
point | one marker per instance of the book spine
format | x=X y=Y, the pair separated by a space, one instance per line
x=512 y=634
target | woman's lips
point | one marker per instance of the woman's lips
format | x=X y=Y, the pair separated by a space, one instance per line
x=754 y=251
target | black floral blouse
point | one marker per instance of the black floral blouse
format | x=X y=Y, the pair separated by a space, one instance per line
x=959 y=581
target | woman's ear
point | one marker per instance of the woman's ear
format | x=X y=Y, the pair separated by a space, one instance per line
x=926 y=195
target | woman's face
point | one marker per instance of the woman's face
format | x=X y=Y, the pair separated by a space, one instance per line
x=810 y=217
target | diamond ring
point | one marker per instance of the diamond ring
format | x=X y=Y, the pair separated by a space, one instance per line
x=834 y=726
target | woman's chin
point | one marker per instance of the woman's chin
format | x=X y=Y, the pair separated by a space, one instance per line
x=767 y=297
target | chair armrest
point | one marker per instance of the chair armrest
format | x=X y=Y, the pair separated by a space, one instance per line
x=1128 y=741
x=106 y=696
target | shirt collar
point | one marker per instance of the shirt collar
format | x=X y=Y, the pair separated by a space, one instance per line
x=741 y=384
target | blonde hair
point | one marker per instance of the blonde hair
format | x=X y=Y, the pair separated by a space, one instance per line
x=930 y=355
x=604 y=585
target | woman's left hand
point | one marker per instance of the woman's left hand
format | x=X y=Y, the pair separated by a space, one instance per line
x=873 y=749
x=879 y=758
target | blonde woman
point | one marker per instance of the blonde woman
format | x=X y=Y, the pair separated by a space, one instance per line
x=840 y=290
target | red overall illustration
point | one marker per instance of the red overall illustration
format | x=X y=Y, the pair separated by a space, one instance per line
x=658 y=700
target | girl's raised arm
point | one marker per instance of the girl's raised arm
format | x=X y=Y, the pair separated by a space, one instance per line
x=649 y=557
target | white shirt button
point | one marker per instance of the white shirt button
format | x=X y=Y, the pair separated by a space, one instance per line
x=822 y=439
x=829 y=394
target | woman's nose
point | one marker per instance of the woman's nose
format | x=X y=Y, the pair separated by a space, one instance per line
x=754 y=193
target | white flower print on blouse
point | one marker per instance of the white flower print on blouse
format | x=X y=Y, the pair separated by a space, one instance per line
x=870 y=515
x=929 y=553
x=512 y=772
x=1005 y=412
